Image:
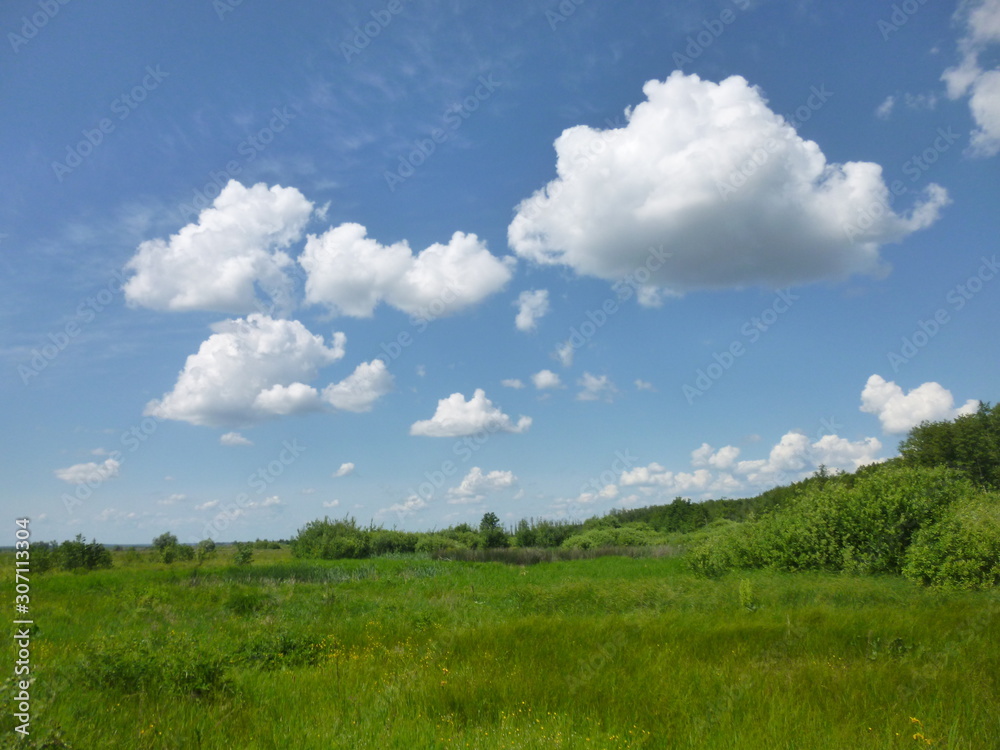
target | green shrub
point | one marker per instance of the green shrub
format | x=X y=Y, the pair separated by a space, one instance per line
x=243 y=554
x=173 y=664
x=961 y=550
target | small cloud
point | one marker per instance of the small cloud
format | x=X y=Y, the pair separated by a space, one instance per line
x=546 y=379
x=456 y=417
x=512 y=383
x=642 y=385
x=331 y=503
x=421 y=371
x=344 y=470
x=89 y=472
x=596 y=388
x=234 y=438
x=309 y=491
x=886 y=107
x=531 y=307
x=564 y=353
x=207 y=506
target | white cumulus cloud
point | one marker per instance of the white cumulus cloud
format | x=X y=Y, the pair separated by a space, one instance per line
x=512 y=383
x=900 y=412
x=89 y=472
x=531 y=307
x=351 y=274
x=456 y=417
x=216 y=262
x=255 y=368
x=666 y=199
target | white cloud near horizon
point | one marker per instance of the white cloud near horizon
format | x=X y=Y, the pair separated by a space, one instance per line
x=233 y=439
x=215 y=263
x=661 y=182
x=351 y=274
x=900 y=412
x=456 y=417
x=476 y=485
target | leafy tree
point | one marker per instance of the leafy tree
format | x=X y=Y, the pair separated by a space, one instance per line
x=164 y=540
x=492 y=533
x=243 y=554
x=970 y=443
x=79 y=553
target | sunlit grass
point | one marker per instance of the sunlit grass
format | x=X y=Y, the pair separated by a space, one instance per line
x=419 y=653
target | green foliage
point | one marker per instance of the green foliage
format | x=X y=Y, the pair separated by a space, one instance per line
x=165 y=540
x=962 y=549
x=172 y=664
x=438 y=543
x=492 y=532
x=970 y=444
x=80 y=554
x=864 y=525
x=243 y=553
x=630 y=535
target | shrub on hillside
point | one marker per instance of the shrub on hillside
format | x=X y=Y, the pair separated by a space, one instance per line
x=864 y=525
x=630 y=535
x=961 y=550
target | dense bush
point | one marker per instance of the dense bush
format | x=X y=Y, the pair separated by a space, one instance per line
x=962 y=549
x=970 y=444
x=630 y=535
x=80 y=554
x=864 y=525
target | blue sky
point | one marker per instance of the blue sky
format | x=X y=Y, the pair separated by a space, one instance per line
x=412 y=262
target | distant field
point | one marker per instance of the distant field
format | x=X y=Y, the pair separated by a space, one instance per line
x=612 y=652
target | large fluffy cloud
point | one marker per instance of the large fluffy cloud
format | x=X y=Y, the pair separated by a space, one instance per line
x=982 y=21
x=900 y=412
x=256 y=368
x=456 y=417
x=706 y=187
x=351 y=273
x=215 y=263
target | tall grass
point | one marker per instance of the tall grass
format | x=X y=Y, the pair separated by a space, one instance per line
x=611 y=652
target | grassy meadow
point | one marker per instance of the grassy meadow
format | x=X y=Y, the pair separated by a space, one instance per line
x=413 y=652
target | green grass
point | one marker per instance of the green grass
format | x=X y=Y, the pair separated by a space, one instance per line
x=409 y=653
